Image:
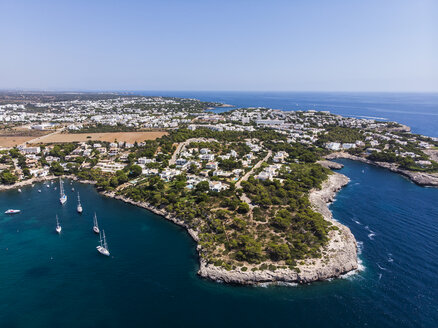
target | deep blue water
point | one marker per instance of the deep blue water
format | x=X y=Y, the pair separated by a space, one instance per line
x=150 y=279
x=418 y=110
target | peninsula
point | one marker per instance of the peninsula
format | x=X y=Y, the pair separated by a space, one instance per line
x=250 y=185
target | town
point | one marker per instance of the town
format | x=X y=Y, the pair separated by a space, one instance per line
x=240 y=178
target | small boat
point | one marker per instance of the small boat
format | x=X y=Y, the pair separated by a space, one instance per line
x=48 y=186
x=58 y=226
x=72 y=189
x=12 y=211
x=103 y=247
x=95 y=225
x=79 y=208
x=19 y=190
x=63 y=196
x=39 y=190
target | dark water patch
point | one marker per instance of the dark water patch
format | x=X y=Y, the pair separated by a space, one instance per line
x=38 y=272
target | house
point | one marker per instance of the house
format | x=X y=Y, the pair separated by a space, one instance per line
x=168 y=174
x=348 y=146
x=181 y=162
x=31 y=150
x=144 y=160
x=113 y=152
x=109 y=166
x=217 y=186
x=333 y=145
x=211 y=165
x=207 y=157
x=280 y=157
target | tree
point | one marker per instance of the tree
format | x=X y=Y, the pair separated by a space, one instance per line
x=135 y=171
x=7 y=177
x=121 y=177
x=56 y=169
x=202 y=186
x=243 y=208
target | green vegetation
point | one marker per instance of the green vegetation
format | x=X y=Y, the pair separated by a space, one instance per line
x=231 y=232
x=6 y=177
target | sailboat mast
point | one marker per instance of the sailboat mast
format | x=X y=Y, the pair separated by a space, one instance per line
x=104 y=241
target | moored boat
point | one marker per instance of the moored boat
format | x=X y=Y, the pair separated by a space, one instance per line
x=58 y=226
x=103 y=247
x=95 y=225
x=79 y=208
x=11 y=211
x=63 y=196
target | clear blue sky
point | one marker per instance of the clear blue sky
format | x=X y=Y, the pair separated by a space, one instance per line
x=348 y=45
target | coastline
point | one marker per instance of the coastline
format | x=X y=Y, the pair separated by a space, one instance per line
x=339 y=255
x=420 y=178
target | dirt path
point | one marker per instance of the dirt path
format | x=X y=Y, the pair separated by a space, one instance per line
x=247 y=175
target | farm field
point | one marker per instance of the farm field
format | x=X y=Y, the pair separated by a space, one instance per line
x=129 y=137
x=16 y=136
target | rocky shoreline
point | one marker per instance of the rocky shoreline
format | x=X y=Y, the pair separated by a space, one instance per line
x=339 y=256
x=420 y=178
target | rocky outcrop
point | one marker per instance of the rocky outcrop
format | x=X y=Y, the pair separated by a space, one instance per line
x=420 y=178
x=331 y=165
x=339 y=255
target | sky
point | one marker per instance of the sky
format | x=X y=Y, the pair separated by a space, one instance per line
x=235 y=45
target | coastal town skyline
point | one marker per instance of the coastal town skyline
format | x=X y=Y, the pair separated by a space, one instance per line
x=210 y=45
x=165 y=161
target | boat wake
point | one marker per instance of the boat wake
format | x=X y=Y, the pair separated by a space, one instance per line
x=381 y=268
x=390 y=259
x=371 y=234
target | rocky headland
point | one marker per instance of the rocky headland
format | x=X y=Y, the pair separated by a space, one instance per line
x=420 y=178
x=338 y=257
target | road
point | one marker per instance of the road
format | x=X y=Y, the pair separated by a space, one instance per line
x=247 y=175
x=182 y=145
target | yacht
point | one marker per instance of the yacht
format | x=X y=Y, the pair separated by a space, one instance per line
x=103 y=247
x=63 y=196
x=12 y=211
x=95 y=225
x=58 y=227
x=79 y=208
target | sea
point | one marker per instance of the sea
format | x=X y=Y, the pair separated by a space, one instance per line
x=150 y=280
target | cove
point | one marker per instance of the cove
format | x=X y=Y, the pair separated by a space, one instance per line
x=150 y=279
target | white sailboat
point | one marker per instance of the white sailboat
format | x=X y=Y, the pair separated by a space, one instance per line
x=63 y=196
x=11 y=211
x=95 y=225
x=103 y=247
x=79 y=208
x=58 y=226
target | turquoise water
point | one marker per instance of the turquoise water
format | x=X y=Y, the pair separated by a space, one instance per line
x=150 y=278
